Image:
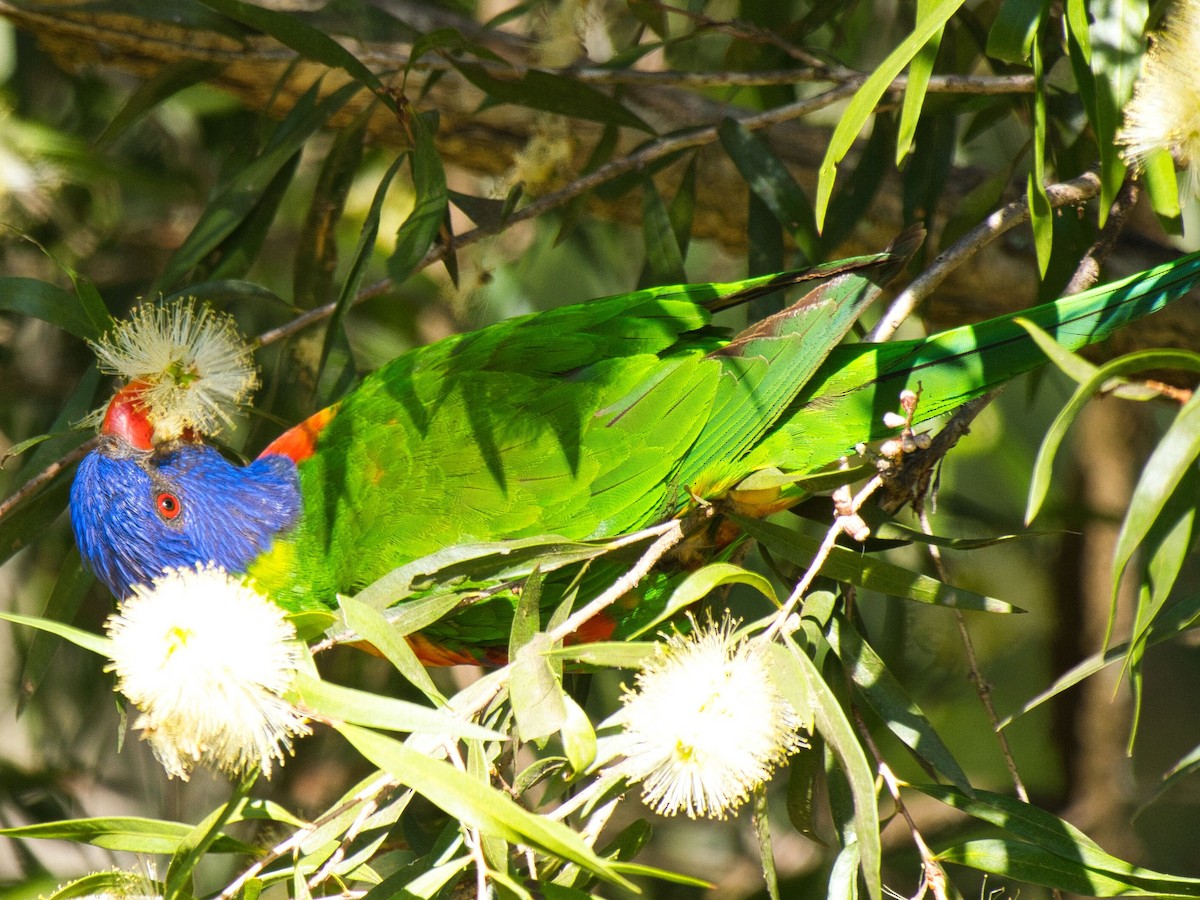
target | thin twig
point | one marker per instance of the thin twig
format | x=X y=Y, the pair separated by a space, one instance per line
x=982 y=687
x=38 y=481
x=293 y=841
x=671 y=534
x=818 y=560
x=1068 y=193
x=635 y=161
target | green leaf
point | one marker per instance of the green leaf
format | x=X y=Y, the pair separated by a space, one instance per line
x=770 y=181
x=419 y=230
x=578 y=736
x=1057 y=839
x=309 y=42
x=1041 y=215
x=1173 y=622
x=762 y=830
x=317 y=245
x=1117 y=45
x=546 y=91
x=1093 y=378
x=194 y=847
x=385 y=637
x=129 y=833
x=891 y=702
x=536 y=693
x=69 y=590
x=85 y=639
x=1020 y=861
x=1174 y=455
x=372 y=710
x=239 y=197
x=45 y=301
x=476 y=805
x=113 y=883
x=839 y=735
x=1014 y=30
x=335 y=335
x=664 y=258
x=610 y=654
x=919 y=71
x=704 y=581
x=1162 y=187
x=862 y=105
x=164 y=83
x=866 y=571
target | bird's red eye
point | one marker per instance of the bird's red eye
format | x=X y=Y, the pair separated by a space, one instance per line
x=168 y=505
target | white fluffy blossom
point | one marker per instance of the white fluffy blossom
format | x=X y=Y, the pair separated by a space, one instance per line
x=206 y=659
x=196 y=366
x=705 y=725
x=1164 y=113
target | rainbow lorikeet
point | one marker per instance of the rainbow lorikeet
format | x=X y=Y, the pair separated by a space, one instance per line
x=586 y=421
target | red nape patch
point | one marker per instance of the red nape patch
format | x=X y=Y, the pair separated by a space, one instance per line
x=599 y=627
x=126 y=417
x=300 y=441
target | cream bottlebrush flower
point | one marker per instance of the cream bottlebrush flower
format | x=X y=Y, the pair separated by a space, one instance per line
x=196 y=366
x=206 y=659
x=1164 y=113
x=705 y=725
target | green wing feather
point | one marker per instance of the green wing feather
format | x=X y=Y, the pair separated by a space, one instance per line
x=601 y=418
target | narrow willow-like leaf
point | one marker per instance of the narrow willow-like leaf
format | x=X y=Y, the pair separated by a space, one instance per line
x=578 y=736
x=610 y=654
x=839 y=735
x=1039 y=483
x=704 y=581
x=419 y=230
x=317 y=245
x=863 y=103
x=69 y=590
x=309 y=42
x=919 y=71
x=375 y=711
x=241 y=194
x=129 y=833
x=537 y=695
x=1117 y=45
x=762 y=830
x=549 y=92
x=1059 y=839
x=1178 y=618
x=664 y=258
x=166 y=82
x=1174 y=455
x=80 y=638
x=769 y=179
x=891 y=702
x=197 y=843
x=45 y=301
x=1041 y=215
x=868 y=572
x=363 y=250
x=387 y=639
x=1162 y=187
x=1020 y=861
x=475 y=805
x=1014 y=30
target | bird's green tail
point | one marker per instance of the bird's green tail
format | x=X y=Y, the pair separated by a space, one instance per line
x=845 y=401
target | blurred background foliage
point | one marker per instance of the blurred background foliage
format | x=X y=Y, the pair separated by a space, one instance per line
x=123 y=125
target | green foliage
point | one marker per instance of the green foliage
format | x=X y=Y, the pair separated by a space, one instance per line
x=315 y=215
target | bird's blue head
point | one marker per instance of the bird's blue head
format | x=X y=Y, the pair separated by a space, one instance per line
x=138 y=510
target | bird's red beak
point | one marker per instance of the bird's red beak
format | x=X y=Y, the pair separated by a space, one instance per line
x=126 y=417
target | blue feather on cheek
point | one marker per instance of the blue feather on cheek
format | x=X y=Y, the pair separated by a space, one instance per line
x=223 y=513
